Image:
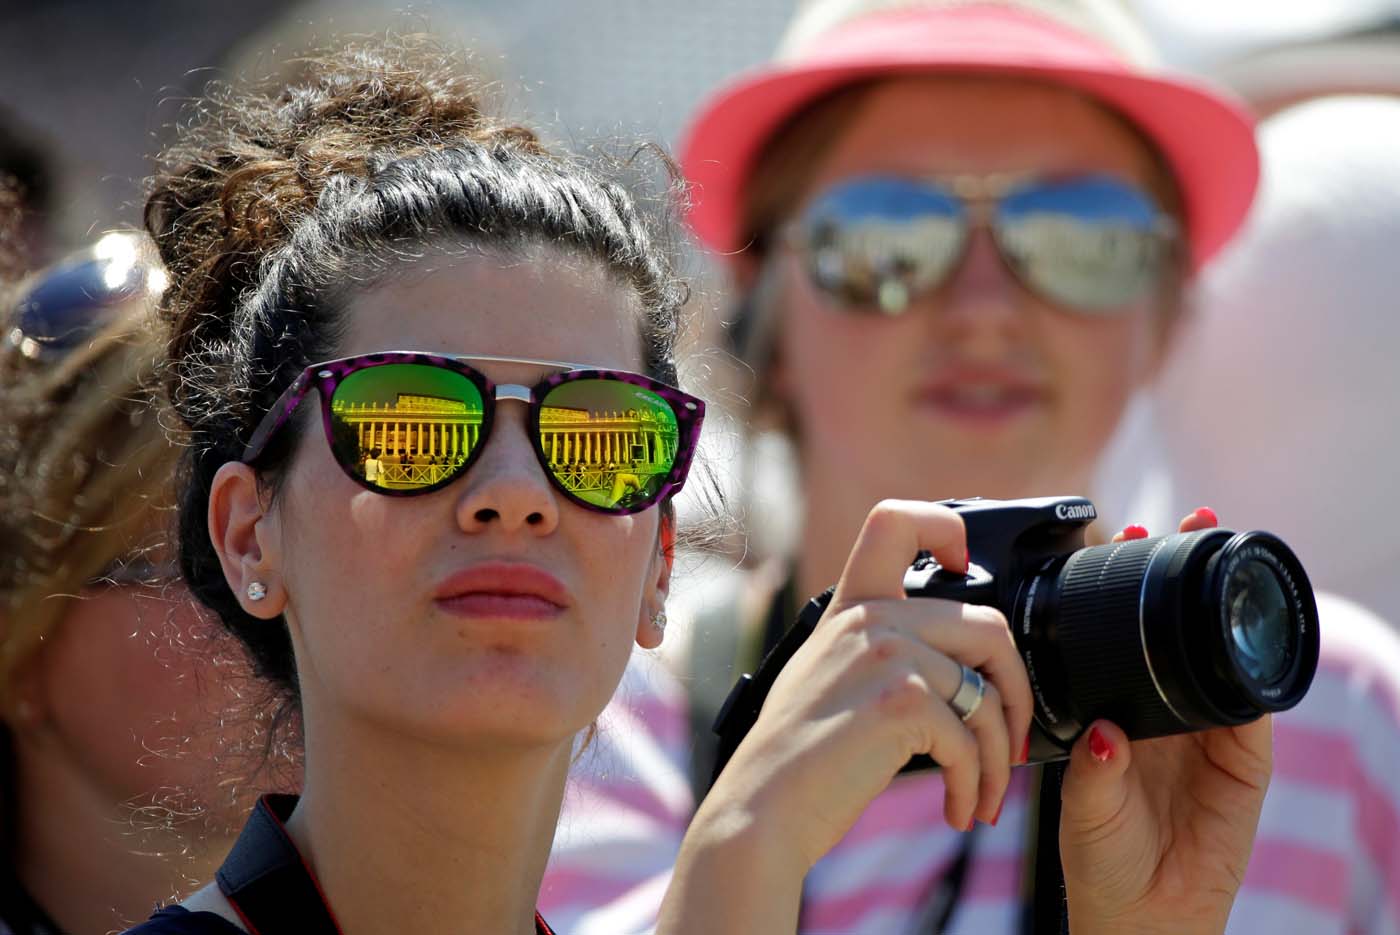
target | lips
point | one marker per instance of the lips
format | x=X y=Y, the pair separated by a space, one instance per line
x=503 y=590
x=981 y=395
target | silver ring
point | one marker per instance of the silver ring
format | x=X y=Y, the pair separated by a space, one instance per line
x=968 y=698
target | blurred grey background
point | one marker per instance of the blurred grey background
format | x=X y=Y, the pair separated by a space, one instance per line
x=100 y=84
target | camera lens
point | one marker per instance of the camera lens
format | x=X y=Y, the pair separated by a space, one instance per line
x=1166 y=635
x=1261 y=627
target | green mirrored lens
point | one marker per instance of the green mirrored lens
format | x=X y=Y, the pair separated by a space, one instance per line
x=609 y=443
x=405 y=426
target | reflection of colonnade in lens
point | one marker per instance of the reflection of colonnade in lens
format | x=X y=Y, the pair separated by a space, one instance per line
x=419 y=438
x=893 y=244
x=1089 y=244
x=607 y=451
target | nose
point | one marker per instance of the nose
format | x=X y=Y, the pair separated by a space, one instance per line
x=981 y=302
x=506 y=488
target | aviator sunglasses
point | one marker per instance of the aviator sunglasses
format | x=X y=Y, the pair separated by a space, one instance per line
x=1088 y=243
x=403 y=423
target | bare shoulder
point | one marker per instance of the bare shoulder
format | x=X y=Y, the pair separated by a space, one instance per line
x=209 y=899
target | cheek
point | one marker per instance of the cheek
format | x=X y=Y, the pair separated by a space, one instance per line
x=1099 y=365
x=840 y=372
x=132 y=687
x=618 y=563
x=327 y=530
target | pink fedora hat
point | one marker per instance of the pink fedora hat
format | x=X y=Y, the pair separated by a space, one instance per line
x=1206 y=139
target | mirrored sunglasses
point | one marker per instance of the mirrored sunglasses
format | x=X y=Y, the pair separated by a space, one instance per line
x=69 y=302
x=1091 y=244
x=403 y=423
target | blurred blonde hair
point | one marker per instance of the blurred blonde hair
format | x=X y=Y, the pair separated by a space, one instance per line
x=85 y=468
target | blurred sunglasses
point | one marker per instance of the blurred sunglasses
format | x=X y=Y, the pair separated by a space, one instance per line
x=1089 y=244
x=402 y=424
x=78 y=296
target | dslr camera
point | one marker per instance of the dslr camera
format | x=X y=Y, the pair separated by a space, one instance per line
x=1162 y=636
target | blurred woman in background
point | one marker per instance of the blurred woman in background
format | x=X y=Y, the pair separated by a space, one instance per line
x=112 y=688
x=959 y=235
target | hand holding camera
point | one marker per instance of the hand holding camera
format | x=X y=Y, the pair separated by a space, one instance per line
x=870 y=689
x=1191 y=638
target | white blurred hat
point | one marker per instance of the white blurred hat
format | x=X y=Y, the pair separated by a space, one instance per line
x=1272 y=50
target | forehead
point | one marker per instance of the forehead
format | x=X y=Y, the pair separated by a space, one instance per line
x=979 y=125
x=538 y=303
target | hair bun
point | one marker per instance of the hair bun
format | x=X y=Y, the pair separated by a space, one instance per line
x=252 y=162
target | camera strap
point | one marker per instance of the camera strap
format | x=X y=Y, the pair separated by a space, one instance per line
x=741 y=708
x=266 y=880
x=269 y=884
x=1043 y=910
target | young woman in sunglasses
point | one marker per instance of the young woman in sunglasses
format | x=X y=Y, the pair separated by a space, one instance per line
x=367 y=261
x=959 y=235
x=117 y=696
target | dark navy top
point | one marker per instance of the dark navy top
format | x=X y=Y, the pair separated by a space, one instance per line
x=177 y=920
x=268 y=883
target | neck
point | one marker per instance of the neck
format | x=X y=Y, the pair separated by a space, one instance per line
x=94 y=864
x=406 y=835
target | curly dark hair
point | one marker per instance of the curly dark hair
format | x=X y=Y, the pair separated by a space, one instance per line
x=272 y=197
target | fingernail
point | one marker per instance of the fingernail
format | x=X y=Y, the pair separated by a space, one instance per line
x=967 y=561
x=1207 y=514
x=997 y=816
x=1099 y=745
x=970 y=823
x=1025 y=750
x=1135 y=532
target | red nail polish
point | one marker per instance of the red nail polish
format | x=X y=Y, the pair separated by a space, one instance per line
x=997 y=816
x=970 y=823
x=1099 y=745
x=1207 y=514
x=1135 y=532
x=1025 y=750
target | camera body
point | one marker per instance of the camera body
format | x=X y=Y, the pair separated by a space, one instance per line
x=1141 y=632
x=1008 y=541
x=1162 y=635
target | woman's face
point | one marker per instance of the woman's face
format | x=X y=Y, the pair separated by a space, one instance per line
x=364 y=575
x=980 y=388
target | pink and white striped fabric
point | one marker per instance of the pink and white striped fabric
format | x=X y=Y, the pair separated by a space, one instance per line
x=1326 y=862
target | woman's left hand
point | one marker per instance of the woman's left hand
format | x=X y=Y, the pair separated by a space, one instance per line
x=1155 y=835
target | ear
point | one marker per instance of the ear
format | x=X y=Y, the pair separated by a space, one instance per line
x=649 y=634
x=244 y=533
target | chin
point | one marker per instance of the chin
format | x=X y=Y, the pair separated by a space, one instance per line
x=506 y=700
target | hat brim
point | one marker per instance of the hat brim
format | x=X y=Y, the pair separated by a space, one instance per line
x=1206 y=140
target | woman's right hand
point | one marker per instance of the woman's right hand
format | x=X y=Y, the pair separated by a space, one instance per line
x=869 y=689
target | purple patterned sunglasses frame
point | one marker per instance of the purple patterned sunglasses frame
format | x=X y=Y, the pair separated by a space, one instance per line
x=326 y=376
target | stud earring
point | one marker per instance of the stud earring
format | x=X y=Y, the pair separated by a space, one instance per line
x=256 y=591
x=658 y=620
